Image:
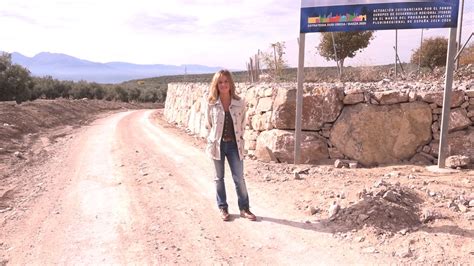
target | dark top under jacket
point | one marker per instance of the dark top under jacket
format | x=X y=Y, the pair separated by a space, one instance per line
x=228 y=133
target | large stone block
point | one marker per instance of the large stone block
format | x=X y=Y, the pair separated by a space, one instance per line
x=462 y=143
x=250 y=134
x=262 y=122
x=278 y=145
x=284 y=107
x=391 y=97
x=264 y=105
x=353 y=98
x=251 y=97
x=458 y=120
x=457 y=97
x=384 y=134
x=322 y=106
x=470 y=93
x=194 y=123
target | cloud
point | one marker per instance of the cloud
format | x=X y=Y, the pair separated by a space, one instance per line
x=209 y=3
x=244 y=27
x=16 y=16
x=167 y=23
x=468 y=19
x=266 y=22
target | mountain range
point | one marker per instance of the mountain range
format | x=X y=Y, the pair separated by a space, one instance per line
x=66 y=67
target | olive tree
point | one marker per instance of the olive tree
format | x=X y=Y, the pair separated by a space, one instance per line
x=432 y=53
x=467 y=55
x=346 y=44
x=15 y=80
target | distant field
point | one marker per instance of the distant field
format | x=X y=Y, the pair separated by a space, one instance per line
x=312 y=74
x=161 y=83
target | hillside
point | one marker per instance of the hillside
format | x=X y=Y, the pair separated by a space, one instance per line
x=65 y=67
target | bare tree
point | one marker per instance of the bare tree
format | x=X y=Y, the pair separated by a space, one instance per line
x=275 y=61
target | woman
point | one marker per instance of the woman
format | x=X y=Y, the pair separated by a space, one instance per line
x=226 y=121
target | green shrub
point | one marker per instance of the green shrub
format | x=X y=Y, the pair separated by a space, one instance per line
x=467 y=55
x=15 y=81
x=432 y=53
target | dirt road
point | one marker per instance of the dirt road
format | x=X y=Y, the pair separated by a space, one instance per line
x=126 y=190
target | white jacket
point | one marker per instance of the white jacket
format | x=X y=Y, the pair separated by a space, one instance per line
x=215 y=116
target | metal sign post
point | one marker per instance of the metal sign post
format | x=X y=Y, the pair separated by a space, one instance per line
x=396 y=53
x=299 y=99
x=459 y=33
x=419 y=52
x=447 y=98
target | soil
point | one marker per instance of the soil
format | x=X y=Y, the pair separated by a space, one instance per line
x=90 y=182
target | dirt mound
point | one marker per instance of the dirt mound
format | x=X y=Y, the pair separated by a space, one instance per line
x=386 y=207
x=31 y=117
x=39 y=122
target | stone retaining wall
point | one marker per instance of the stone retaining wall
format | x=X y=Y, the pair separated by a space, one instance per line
x=372 y=123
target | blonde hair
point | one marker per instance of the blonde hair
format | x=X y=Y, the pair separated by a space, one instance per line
x=214 y=91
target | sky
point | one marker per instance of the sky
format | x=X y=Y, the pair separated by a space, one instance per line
x=207 y=32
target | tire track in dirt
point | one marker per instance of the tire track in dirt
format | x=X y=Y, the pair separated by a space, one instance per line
x=272 y=239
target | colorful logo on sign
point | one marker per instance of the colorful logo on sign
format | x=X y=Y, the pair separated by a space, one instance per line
x=338 y=18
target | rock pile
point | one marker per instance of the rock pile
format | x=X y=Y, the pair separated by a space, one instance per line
x=385 y=207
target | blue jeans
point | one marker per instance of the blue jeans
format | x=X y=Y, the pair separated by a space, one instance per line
x=230 y=150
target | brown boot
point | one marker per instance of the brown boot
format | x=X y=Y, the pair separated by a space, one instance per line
x=224 y=214
x=246 y=213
